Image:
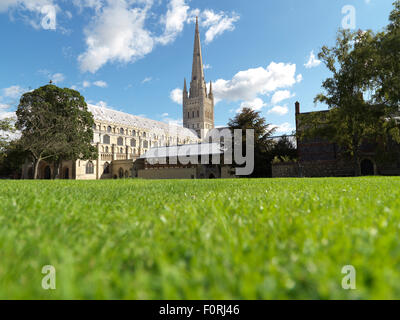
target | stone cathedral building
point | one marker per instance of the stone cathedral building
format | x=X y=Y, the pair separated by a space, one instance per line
x=123 y=140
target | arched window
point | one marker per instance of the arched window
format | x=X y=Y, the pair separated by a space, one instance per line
x=106 y=149
x=134 y=133
x=94 y=127
x=126 y=174
x=198 y=113
x=145 y=144
x=121 y=150
x=106 y=139
x=90 y=168
x=144 y=134
x=133 y=143
x=109 y=129
x=106 y=168
x=120 y=141
x=121 y=173
x=121 y=131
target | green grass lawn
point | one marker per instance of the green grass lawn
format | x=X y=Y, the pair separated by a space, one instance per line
x=204 y=239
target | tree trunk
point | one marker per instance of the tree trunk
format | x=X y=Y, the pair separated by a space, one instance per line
x=357 y=167
x=56 y=173
x=35 y=174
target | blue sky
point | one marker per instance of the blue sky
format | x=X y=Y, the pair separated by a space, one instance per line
x=132 y=55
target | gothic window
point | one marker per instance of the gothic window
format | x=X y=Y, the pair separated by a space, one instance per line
x=106 y=149
x=121 y=150
x=95 y=127
x=109 y=129
x=121 y=131
x=121 y=173
x=133 y=132
x=90 y=168
x=120 y=141
x=192 y=114
x=188 y=115
x=145 y=144
x=133 y=143
x=106 y=139
x=106 y=168
x=198 y=113
x=144 y=134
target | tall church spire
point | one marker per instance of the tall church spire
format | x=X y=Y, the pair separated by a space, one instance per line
x=197 y=84
x=198 y=107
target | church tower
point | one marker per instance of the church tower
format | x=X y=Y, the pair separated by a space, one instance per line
x=198 y=104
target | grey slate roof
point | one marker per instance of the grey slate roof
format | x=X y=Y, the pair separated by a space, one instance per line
x=184 y=150
x=152 y=126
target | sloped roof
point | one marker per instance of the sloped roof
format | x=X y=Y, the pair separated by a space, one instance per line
x=184 y=150
x=157 y=127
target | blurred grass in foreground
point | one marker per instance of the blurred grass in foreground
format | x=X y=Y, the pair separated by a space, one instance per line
x=200 y=239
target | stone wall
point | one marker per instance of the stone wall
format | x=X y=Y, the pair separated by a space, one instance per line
x=285 y=170
x=334 y=168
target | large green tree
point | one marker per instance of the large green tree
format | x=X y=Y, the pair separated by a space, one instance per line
x=360 y=96
x=56 y=125
x=250 y=119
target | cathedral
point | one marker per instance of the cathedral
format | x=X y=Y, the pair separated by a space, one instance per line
x=123 y=140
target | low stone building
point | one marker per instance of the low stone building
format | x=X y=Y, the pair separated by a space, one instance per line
x=196 y=161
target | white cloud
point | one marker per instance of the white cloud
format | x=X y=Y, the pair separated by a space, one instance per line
x=174 y=21
x=100 y=84
x=279 y=110
x=14 y=92
x=217 y=23
x=176 y=95
x=284 y=128
x=147 y=79
x=86 y=84
x=43 y=12
x=57 y=78
x=116 y=34
x=207 y=66
x=248 y=84
x=256 y=104
x=312 y=61
x=281 y=95
x=93 y=4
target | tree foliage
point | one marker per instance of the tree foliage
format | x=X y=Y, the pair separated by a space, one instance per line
x=284 y=150
x=250 y=119
x=55 y=125
x=6 y=128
